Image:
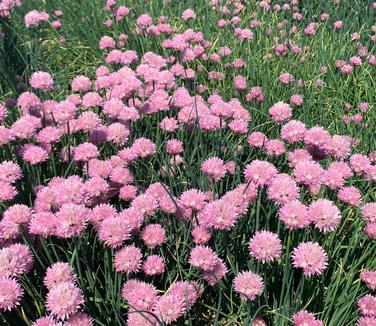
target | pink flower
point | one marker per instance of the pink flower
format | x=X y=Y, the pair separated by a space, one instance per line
x=369 y=278
x=85 y=152
x=193 y=199
x=153 y=265
x=33 y=154
x=16 y=260
x=256 y=139
x=114 y=231
x=308 y=172
x=275 y=147
x=293 y=131
x=367 y=305
x=144 y=147
x=283 y=189
x=42 y=80
x=70 y=220
x=214 y=167
x=128 y=259
x=188 y=291
x=174 y=146
x=304 y=317
x=59 y=273
x=324 y=214
x=310 y=257
x=286 y=78
x=10 y=293
x=153 y=235
x=79 y=319
x=338 y=24
x=260 y=172
x=169 y=308
x=106 y=42
x=140 y=295
x=350 y=195
x=366 y=321
x=201 y=235
x=81 y=84
x=64 y=300
x=218 y=273
x=220 y=214
x=203 y=258
x=10 y=172
x=265 y=246
x=249 y=285
x=368 y=212
x=144 y=20
x=294 y=214
x=42 y=223
x=34 y=18
x=280 y=112
x=296 y=100
x=188 y=14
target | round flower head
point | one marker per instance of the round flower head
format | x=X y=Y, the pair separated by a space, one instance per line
x=10 y=172
x=366 y=321
x=350 y=195
x=257 y=139
x=214 y=276
x=280 y=112
x=310 y=257
x=136 y=318
x=64 y=300
x=45 y=321
x=128 y=259
x=153 y=235
x=42 y=224
x=293 y=131
x=265 y=246
x=369 y=278
x=201 y=235
x=114 y=230
x=308 y=172
x=294 y=214
x=85 y=152
x=275 y=147
x=193 y=199
x=33 y=154
x=304 y=317
x=153 y=265
x=174 y=146
x=59 y=273
x=283 y=189
x=20 y=214
x=203 y=258
x=367 y=305
x=370 y=230
x=169 y=308
x=140 y=295
x=359 y=163
x=15 y=260
x=186 y=291
x=249 y=285
x=324 y=214
x=220 y=214
x=79 y=319
x=260 y=172
x=42 y=80
x=214 y=167
x=368 y=212
x=71 y=220
x=10 y=293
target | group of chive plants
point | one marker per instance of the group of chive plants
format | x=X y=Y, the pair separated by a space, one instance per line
x=187 y=163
